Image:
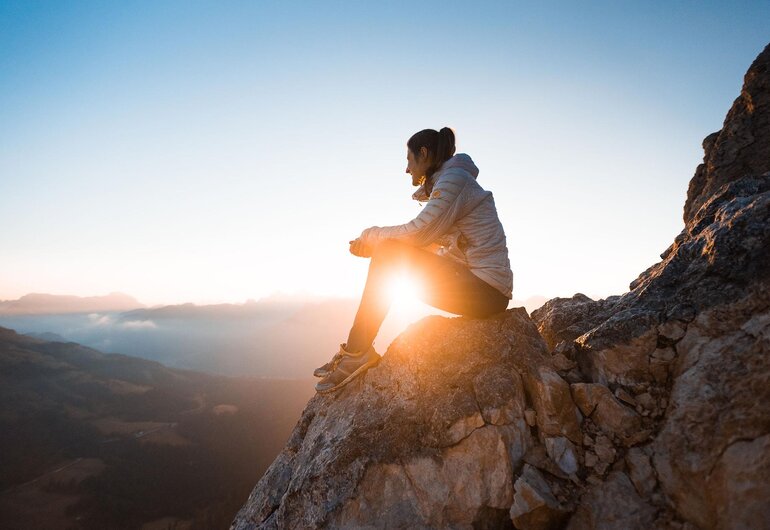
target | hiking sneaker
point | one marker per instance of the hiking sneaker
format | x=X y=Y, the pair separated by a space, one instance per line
x=346 y=368
x=323 y=371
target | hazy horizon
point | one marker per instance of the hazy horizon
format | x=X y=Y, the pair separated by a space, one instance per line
x=275 y=295
x=258 y=338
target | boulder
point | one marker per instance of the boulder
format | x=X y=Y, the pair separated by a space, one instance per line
x=557 y=414
x=613 y=505
x=640 y=471
x=618 y=350
x=534 y=505
x=565 y=319
x=607 y=412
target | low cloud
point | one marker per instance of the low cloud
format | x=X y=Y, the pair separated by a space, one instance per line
x=139 y=324
x=96 y=319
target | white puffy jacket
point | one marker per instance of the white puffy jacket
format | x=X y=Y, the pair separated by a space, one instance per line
x=461 y=217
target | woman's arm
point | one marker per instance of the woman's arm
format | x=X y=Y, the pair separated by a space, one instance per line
x=433 y=221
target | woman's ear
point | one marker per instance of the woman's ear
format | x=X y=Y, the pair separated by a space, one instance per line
x=423 y=153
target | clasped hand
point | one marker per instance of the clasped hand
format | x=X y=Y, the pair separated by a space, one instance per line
x=358 y=248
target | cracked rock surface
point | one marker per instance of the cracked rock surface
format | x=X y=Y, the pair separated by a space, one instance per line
x=649 y=409
x=429 y=437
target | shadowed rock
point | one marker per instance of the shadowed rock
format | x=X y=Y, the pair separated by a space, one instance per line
x=609 y=414
x=534 y=506
x=613 y=504
x=565 y=319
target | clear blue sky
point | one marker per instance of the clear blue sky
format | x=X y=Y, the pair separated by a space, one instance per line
x=206 y=152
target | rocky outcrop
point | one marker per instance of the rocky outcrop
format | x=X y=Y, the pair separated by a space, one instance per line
x=430 y=437
x=712 y=454
x=562 y=320
x=646 y=410
x=742 y=147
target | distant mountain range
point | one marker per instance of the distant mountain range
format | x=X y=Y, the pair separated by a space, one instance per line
x=50 y=304
x=57 y=304
x=112 y=441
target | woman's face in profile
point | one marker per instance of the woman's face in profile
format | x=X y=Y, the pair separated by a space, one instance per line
x=415 y=167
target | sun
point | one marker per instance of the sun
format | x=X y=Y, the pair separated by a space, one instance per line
x=404 y=291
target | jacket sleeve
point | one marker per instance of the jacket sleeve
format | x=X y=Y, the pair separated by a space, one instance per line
x=433 y=221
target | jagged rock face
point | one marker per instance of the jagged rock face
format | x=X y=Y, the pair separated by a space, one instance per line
x=646 y=410
x=713 y=453
x=565 y=319
x=742 y=146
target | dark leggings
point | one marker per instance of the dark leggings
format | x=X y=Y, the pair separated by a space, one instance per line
x=445 y=284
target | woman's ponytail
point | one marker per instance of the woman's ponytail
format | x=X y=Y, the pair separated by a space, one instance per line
x=445 y=145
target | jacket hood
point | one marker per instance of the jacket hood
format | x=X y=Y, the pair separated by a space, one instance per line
x=461 y=160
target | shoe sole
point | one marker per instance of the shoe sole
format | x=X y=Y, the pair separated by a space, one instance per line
x=352 y=376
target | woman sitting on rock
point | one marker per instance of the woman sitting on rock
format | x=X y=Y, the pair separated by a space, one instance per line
x=455 y=248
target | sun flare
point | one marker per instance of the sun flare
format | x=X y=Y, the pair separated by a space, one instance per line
x=404 y=291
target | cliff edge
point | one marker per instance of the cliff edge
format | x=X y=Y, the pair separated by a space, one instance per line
x=646 y=410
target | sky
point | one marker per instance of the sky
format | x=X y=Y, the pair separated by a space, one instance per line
x=222 y=151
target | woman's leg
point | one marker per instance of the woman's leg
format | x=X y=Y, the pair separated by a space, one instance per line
x=445 y=284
